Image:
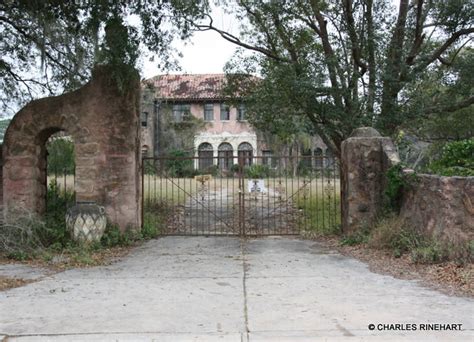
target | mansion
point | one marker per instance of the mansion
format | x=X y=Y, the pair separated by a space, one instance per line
x=189 y=113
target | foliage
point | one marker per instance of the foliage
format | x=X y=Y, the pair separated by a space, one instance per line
x=356 y=238
x=257 y=171
x=50 y=46
x=25 y=234
x=113 y=236
x=433 y=98
x=149 y=167
x=457 y=159
x=330 y=66
x=180 y=164
x=61 y=157
x=394 y=187
x=391 y=233
x=57 y=203
x=29 y=236
x=211 y=170
x=3 y=128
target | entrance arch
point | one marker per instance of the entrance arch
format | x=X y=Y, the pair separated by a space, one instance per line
x=104 y=125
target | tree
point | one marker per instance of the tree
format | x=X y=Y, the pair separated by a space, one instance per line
x=435 y=98
x=50 y=46
x=341 y=64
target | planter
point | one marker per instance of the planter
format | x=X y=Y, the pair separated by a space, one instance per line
x=86 y=222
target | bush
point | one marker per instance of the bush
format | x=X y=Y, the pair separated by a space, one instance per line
x=392 y=234
x=179 y=166
x=257 y=171
x=457 y=159
x=361 y=236
x=149 y=167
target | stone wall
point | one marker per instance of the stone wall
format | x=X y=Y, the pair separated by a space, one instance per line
x=440 y=207
x=436 y=206
x=104 y=125
x=365 y=158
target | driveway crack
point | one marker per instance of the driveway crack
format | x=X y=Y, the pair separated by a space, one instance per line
x=244 y=286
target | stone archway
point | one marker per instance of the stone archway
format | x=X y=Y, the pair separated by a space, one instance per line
x=103 y=124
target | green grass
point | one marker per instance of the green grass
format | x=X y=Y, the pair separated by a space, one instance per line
x=321 y=214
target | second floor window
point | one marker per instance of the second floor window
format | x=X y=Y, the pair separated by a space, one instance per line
x=225 y=112
x=181 y=112
x=241 y=112
x=208 y=112
x=144 y=119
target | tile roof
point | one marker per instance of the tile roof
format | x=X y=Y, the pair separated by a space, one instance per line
x=188 y=86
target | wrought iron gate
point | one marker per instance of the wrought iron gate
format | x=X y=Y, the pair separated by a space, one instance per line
x=241 y=195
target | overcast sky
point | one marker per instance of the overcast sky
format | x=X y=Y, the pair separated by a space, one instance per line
x=206 y=52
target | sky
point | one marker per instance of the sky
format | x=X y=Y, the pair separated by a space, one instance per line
x=205 y=52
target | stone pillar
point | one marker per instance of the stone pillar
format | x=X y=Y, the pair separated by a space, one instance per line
x=366 y=156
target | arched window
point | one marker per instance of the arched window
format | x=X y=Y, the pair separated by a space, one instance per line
x=205 y=156
x=245 y=154
x=225 y=153
x=318 y=158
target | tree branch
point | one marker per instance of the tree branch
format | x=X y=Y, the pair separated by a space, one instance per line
x=235 y=40
x=451 y=108
x=353 y=36
x=439 y=51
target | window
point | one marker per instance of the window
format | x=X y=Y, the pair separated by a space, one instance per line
x=209 y=112
x=225 y=112
x=181 y=112
x=205 y=155
x=245 y=154
x=241 y=112
x=144 y=119
x=225 y=153
x=267 y=158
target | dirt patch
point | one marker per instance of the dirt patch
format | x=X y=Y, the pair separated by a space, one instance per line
x=60 y=261
x=10 y=283
x=447 y=277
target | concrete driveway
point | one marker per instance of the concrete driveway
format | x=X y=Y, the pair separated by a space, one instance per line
x=226 y=289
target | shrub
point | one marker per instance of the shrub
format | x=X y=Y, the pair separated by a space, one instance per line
x=25 y=233
x=179 y=166
x=457 y=159
x=361 y=236
x=257 y=171
x=149 y=167
x=19 y=236
x=392 y=234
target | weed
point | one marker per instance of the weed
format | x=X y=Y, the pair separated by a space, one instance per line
x=391 y=233
x=360 y=237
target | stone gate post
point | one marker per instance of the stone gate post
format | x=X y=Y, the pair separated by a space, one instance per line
x=366 y=156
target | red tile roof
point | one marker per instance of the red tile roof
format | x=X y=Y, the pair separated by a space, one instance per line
x=188 y=86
